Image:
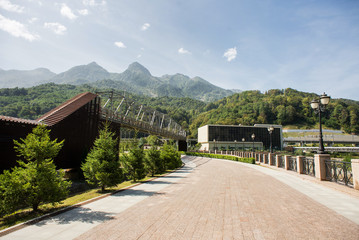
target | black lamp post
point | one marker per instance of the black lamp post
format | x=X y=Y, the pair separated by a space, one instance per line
x=253 y=137
x=270 y=130
x=319 y=107
x=214 y=142
x=243 y=144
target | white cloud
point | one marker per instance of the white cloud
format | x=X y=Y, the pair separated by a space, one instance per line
x=145 y=26
x=32 y=20
x=94 y=3
x=139 y=55
x=8 y=6
x=120 y=44
x=57 y=28
x=83 y=12
x=67 y=12
x=16 y=29
x=183 y=51
x=230 y=54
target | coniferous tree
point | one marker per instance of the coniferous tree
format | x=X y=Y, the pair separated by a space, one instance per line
x=36 y=180
x=102 y=167
x=132 y=163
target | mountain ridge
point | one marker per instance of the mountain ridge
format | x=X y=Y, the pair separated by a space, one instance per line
x=136 y=78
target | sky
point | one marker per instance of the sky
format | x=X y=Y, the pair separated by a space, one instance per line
x=308 y=45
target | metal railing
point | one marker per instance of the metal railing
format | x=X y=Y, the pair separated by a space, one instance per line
x=339 y=171
x=266 y=158
x=281 y=162
x=274 y=161
x=309 y=166
x=292 y=164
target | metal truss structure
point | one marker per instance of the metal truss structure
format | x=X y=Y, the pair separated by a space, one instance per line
x=130 y=114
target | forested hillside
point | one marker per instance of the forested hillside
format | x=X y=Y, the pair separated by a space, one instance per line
x=285 y=107
x=31 y=103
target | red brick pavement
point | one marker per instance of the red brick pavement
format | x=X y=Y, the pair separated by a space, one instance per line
x=225 y=200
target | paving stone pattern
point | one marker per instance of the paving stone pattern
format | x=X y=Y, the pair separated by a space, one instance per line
x=223 y=199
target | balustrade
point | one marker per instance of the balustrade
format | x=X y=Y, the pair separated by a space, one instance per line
x=339 y=171
x=308 y=166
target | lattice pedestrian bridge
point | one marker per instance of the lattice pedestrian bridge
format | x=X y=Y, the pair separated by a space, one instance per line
x=131 y=114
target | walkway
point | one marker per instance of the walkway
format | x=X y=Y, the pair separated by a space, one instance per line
x=211 y=199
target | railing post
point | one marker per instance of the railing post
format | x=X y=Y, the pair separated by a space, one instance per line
x=286 y=162
x=319 y=161
x=355 y=171
x=300 y=164
x=277 y=159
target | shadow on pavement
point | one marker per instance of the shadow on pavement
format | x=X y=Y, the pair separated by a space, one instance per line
x=80 y=214
x=133 y=192
x=158 y=182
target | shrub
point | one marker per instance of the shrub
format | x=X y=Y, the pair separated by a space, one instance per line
x=218 y=156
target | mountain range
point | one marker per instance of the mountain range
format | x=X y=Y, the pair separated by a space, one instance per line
x=136 y=79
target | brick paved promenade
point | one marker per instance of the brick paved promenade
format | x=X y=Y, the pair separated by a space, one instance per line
x=217 y=199
x=226 y=200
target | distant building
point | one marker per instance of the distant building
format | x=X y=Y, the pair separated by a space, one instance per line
x=239 y=137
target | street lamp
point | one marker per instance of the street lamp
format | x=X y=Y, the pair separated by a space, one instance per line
x=243 y=140
x=253 y=137
x=214 y=141
x=270 y=130
x=319 y=107
x=235 y=145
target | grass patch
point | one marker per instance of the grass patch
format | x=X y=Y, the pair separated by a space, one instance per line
x=27 y=214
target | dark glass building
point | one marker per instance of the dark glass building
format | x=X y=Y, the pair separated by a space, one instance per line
x=239 y=137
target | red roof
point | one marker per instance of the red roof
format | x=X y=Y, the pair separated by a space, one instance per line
x=67 y=108
x=18 y=120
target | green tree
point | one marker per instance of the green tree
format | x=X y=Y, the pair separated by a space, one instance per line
x=35 y=181
x=171 y=159
x=132 y=163
x=102 y=167
x=152 y=161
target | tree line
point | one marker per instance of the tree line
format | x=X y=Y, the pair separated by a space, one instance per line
x=287 y=107
x=36 y=180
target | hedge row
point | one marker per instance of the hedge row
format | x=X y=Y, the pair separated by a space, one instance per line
x=233 y=158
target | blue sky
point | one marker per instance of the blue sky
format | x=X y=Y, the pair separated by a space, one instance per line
x=308 y=45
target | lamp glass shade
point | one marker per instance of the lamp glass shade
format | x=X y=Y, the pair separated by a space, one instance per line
x=314 y=104
x=253 y=136
x=270 y=129
x=324 y=99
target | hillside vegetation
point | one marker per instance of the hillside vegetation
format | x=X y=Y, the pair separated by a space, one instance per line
x=31 y=103
x=285 y=107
